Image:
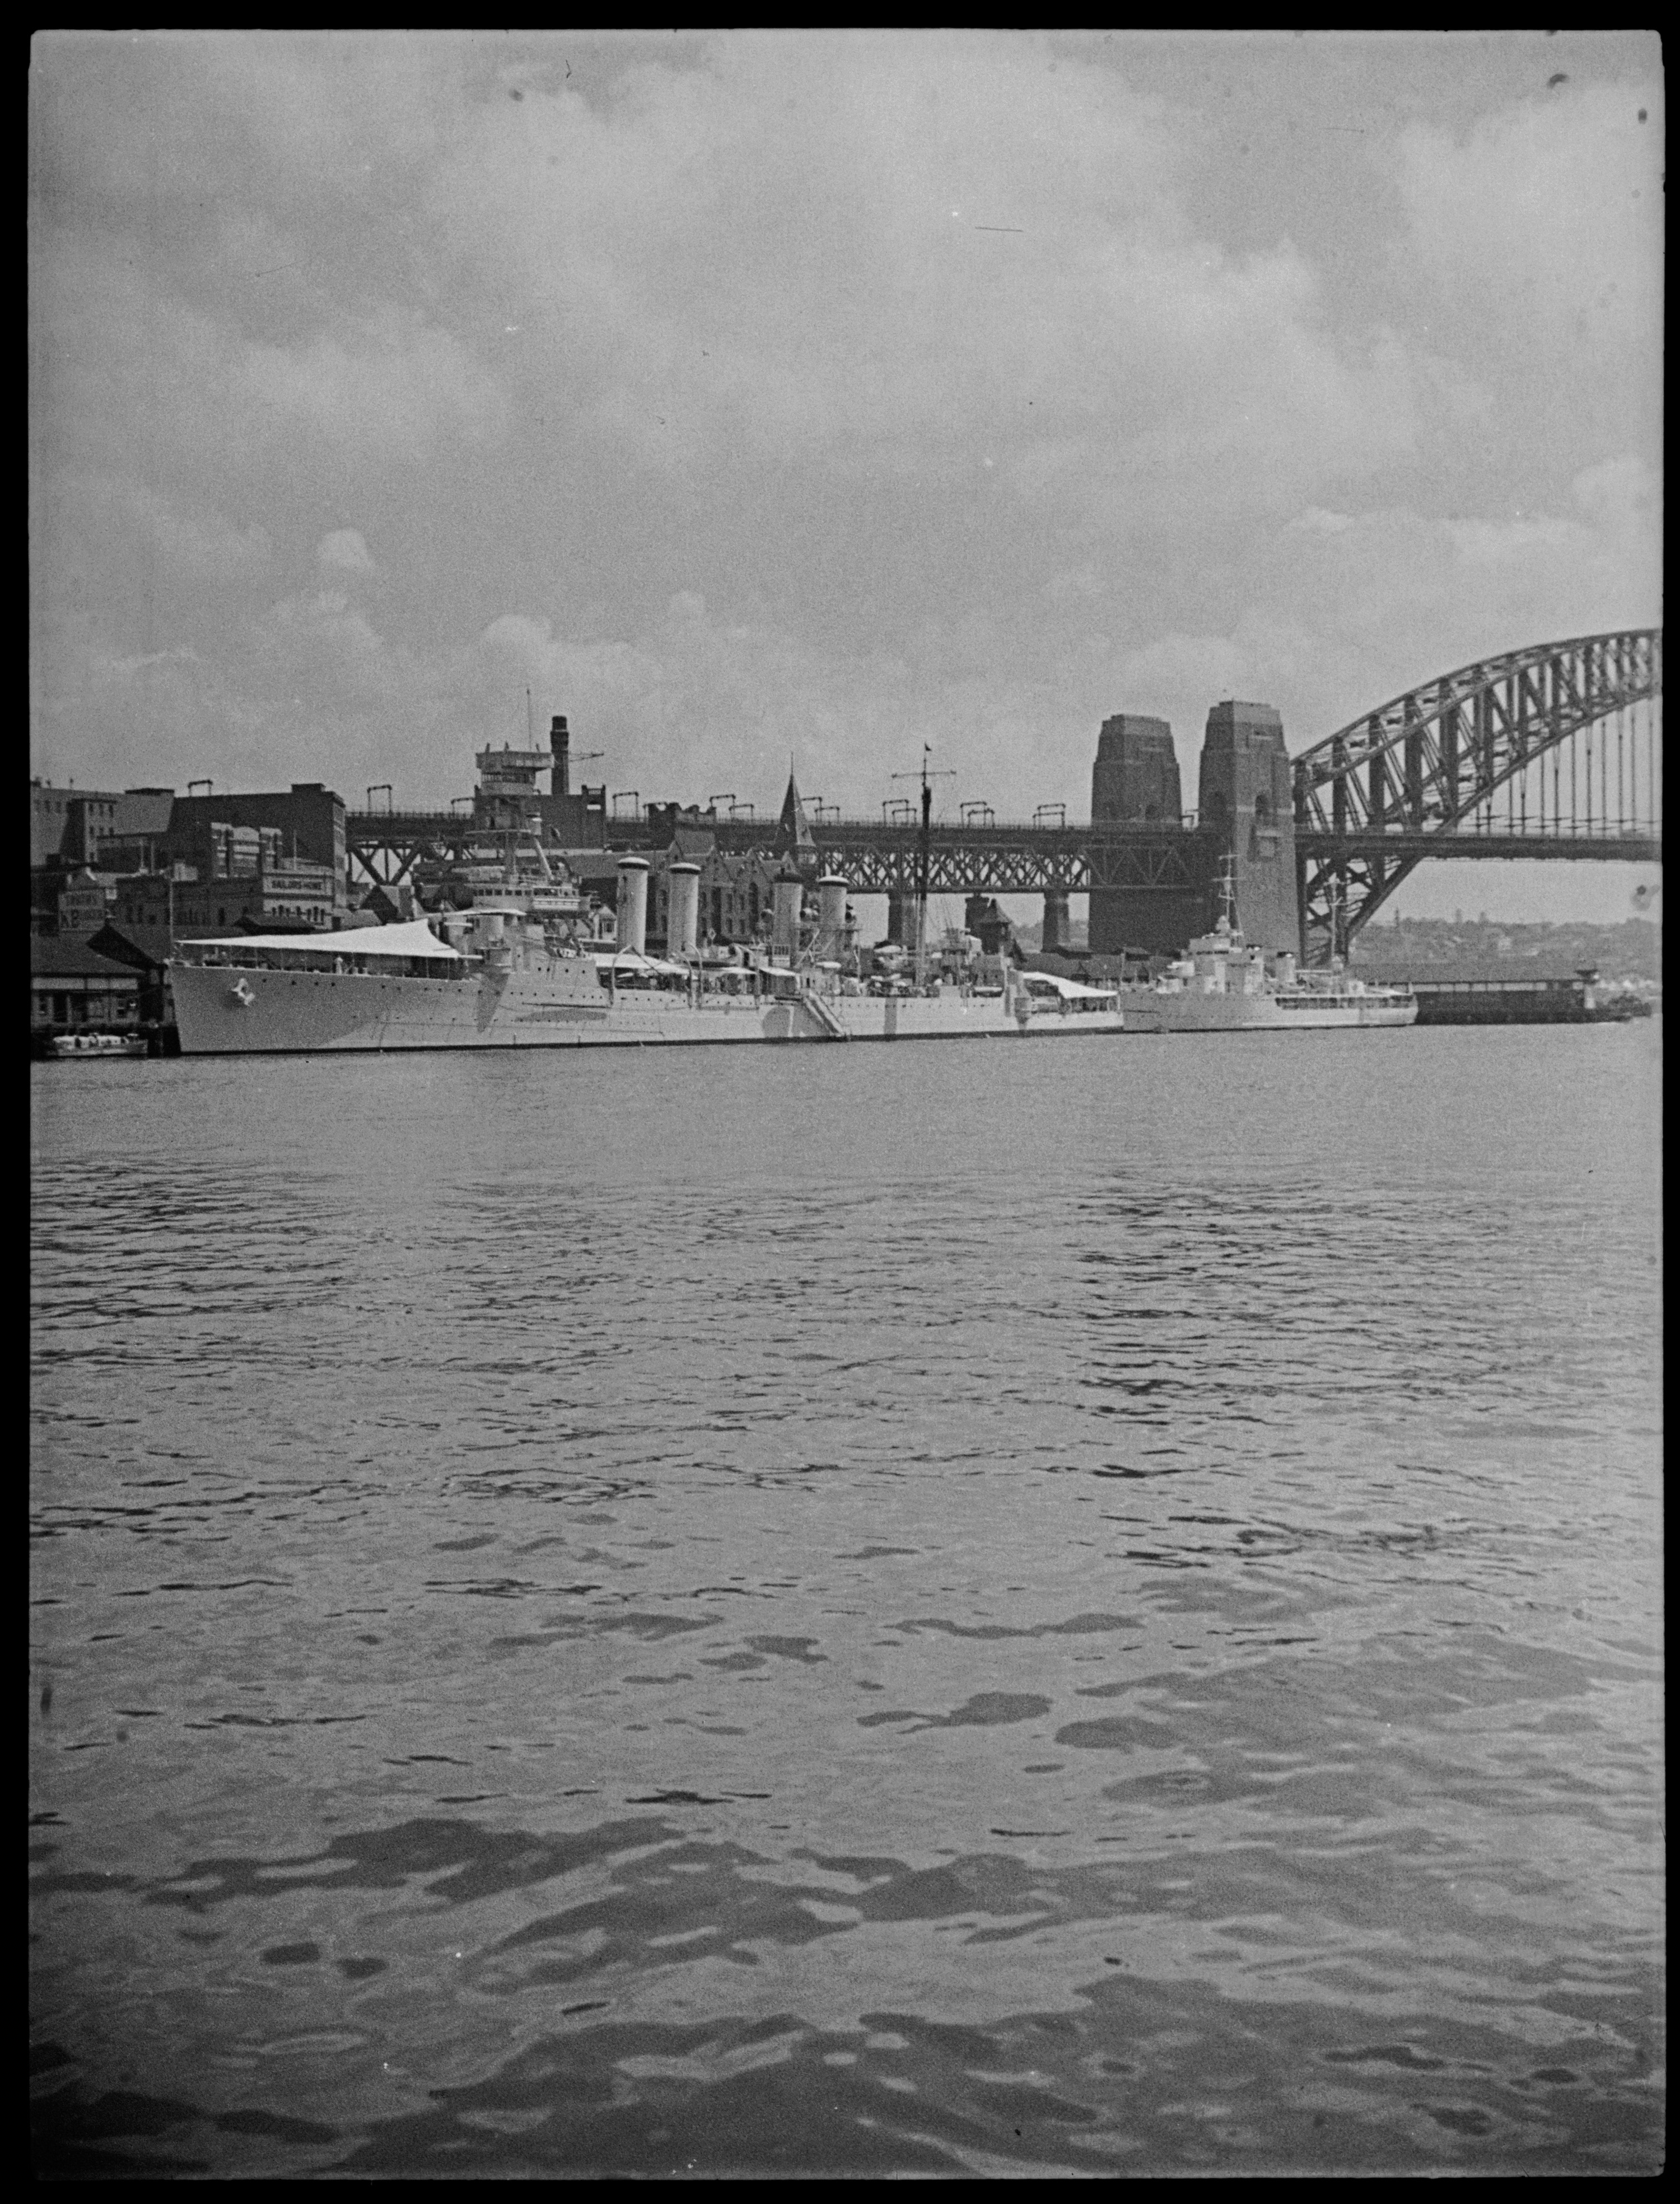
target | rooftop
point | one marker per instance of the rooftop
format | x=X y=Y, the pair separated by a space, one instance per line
x=67 y=956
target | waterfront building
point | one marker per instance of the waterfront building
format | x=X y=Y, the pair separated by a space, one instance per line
x=277 y=859
x=233 y=837
x=146 y=950
x=391 y=906
x=102 y=828
x=984 y=918
x=735 y=886
x=73 y=987
x=78 y=903
x=736 y=890
x=277 y=893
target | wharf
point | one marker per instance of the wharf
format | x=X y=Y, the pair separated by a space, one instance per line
x=1508 y=1000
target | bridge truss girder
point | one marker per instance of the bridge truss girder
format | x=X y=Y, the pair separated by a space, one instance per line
x=386 y=862
x=1634 y=849
x=384 y=847
x=1435 y=756
x=1020 y=861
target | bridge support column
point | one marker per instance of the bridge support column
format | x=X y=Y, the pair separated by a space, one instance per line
x=1247 y=787
x=1135 y=780
x=900 y=917
x=1055 y=920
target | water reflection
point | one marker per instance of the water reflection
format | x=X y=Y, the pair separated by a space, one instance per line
x=1141 y=1662
x=1198 y=2022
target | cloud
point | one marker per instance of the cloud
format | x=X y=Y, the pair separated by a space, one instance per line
x=123 y=577
x=1621 y=502
x=1351 y=609
x=124 y=367
x=1549 y=214
x=345 y=552
x=326 y=657
x=392 y=386
x=87 y=520
x=1537 y=238
x=111 y=717
x=194 y=118
x=824 y=393
x=922 y=254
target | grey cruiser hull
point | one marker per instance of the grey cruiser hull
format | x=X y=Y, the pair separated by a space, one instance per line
x=1148 y=1011
x=222 y=1010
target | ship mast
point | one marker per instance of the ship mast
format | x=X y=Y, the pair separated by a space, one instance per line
x=924 y=853
x=924 y=863
x=1227 y=892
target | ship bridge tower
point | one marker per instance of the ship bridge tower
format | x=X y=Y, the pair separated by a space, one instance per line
x=507 y=799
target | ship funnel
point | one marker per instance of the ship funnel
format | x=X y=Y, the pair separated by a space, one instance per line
x=831 y=910
x=788 y=896
x=633 y=904
x=682 y=928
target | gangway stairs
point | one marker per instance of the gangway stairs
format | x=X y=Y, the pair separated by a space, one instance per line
x=825 y=1014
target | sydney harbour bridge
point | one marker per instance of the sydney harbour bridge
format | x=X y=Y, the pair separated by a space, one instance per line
x=1553 y=752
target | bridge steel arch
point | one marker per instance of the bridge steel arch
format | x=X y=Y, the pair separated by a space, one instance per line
x=1430 y=760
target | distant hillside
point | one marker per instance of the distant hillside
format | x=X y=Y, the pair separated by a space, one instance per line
x=1419 y=946
x=1029 y=938
x=1467 y=948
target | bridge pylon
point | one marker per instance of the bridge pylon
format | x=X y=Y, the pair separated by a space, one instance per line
x=1245 y=795
x=1135 y=782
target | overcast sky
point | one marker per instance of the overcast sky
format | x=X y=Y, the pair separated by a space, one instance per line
x=762 y=395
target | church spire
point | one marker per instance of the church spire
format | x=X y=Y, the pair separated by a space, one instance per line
x=793 y=829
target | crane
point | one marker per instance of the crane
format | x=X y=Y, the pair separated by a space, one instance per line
x=579 y=757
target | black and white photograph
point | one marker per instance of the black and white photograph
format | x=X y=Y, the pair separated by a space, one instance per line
x=629 y=1579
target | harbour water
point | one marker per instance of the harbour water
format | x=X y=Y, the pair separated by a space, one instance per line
x=923 y=1610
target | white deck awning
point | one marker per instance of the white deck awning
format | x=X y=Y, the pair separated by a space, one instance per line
x=632 y=960
x=1069 y=990
x=414 y=937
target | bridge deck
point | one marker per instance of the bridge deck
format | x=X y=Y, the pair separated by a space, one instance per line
x=1022 y=857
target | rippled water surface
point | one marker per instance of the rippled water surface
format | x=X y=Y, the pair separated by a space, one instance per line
x=1090 y=1608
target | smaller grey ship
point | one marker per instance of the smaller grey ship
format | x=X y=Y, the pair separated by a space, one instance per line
x=1222 y=985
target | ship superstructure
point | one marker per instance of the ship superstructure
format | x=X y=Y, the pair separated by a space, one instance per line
x=515 y=972
x=1223 y=984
